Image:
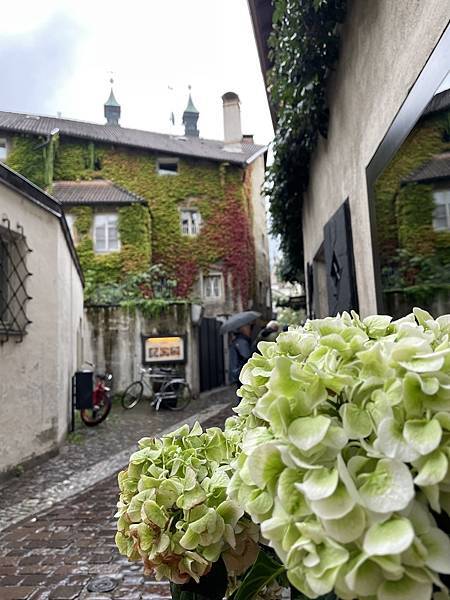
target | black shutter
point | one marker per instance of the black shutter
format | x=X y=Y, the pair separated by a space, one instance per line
x=338 y=248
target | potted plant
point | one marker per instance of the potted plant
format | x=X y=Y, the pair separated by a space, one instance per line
x=338 y=459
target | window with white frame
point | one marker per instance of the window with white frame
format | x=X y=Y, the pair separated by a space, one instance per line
x=190 y=222
x=106 y=235
x=212 y=286
x=167 y=166
x=441 y=213
x=3 y=150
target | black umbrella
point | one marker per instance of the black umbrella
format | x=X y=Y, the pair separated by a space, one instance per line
x=238 y=320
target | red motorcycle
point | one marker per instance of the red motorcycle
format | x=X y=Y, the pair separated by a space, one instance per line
x=101 y=401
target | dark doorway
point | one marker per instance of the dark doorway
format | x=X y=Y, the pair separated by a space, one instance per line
x=212 y=371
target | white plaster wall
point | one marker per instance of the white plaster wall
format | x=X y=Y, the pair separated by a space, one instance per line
x=384 y=46
x=35 y=374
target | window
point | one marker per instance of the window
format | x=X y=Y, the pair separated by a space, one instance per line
x=190 y=222
x=167 y=166
x=441 y=213
x=106 y=237
x=212 y=287
x=13 y=276
x=3 y=151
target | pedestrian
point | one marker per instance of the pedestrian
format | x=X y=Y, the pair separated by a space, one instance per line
x=269 y=333
x=239 y=351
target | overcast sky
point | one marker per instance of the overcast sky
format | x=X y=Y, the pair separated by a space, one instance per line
x=57 y=55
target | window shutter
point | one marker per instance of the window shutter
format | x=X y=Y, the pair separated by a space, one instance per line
x=339 y=261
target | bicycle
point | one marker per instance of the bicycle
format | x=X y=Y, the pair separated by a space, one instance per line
x=101 y=400
x=174 y=392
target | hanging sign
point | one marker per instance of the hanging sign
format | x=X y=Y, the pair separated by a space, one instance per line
x=164 y=349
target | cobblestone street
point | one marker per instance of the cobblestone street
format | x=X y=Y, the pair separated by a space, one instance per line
x=64 y=548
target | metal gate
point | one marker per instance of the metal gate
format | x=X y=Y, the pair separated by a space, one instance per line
x=212 y=371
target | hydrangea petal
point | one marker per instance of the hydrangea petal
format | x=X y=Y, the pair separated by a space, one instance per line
x=390 y=441
x=389 y=537
x=404 y=589
x=348 y=528
x=422 y=435
x=388 y=488
x=307 y=432
x=335 y=506
x=437 y=544
x=319 y=484
x=433 y=470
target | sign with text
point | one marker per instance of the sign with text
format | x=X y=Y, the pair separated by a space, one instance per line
x=164 y=349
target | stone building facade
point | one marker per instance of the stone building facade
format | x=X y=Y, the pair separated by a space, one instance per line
x=136 y=199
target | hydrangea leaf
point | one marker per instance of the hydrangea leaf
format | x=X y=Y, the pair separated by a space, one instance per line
x=389 y=537
x=307 y=432
x=423 y=435
x=388 y=488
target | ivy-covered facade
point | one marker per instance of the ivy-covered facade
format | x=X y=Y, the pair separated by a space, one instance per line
x=414 y=248
x=223 y=263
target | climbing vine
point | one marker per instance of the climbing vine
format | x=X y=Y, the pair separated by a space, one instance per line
x=415 y=259
x=304 y=47
x=217 y=191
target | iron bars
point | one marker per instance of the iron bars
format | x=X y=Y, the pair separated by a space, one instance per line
x=13 y=277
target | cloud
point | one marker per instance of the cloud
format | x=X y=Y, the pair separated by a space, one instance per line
x=35 y=64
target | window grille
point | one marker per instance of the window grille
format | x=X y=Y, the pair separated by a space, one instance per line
x=13 y=277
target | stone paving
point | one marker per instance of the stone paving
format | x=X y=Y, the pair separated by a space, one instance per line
x=91 y=454
x=66 y=551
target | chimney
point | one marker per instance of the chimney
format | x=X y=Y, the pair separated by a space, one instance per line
x=247 y=138
x=232 y=122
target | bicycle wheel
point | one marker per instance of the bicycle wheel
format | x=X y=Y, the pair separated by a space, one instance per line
x=95 y=415
x=132 y=395
x=178 y=395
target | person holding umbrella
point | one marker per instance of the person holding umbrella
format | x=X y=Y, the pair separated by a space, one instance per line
x=241 y=344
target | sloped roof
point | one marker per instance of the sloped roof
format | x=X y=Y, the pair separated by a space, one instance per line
x=433 y=170
x=34 y=194
x=114 y=134
x=97 y=191
x=439 y=102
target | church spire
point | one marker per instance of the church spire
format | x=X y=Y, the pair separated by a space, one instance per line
x=190 y=118
x=112 y=108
